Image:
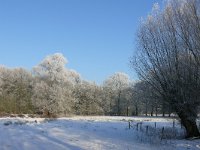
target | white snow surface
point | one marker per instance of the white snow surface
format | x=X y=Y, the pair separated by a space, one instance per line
x=88 y=133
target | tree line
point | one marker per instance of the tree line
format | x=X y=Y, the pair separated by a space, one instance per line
x=51 y=89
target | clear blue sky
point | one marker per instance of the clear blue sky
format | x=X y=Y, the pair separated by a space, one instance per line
x=96 y=36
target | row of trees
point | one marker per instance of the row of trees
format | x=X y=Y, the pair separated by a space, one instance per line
x=52 y=89
x=168 y=58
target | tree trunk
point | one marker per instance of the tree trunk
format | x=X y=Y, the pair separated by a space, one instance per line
x=163 y=113
x=189 y=123
x=127 y=111
x=156 y=110
x=169 y=110
x=110 y=109
x=118 y=104
x=136 y=110
x=146 y=111
x=151 y=110
x=163 y=109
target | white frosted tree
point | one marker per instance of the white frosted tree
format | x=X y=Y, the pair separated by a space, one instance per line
x=52 y=89
x=6 y=88
x=15 y=85
x=73 y=76
x=22 y=89
x=52 y=68
x=129 y=100
x=116 y=84
x=88 y=99
x=168 y=57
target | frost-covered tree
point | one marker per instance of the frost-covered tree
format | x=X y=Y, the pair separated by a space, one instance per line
x=52 y=68
x=22 y=90
x=168 y=57
x=6 y=88
x=73 y=76
x=133 y=102
x=116 y=85
x=145 y=99
x=16 y=90
x=88 y=99
x=126 y=101
x=52 y=92
x=108 y=99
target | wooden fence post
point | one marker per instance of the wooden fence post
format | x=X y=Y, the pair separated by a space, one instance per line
x=147 y=128
x=140 y=126
x=162 y=133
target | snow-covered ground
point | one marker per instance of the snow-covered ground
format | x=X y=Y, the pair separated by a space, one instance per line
x=91 y=133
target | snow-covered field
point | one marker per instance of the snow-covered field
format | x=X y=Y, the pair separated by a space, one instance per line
x=91 y=133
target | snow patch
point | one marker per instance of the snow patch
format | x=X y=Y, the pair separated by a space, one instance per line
x=86 y=133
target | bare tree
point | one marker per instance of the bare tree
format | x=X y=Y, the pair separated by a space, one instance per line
x=168 y=57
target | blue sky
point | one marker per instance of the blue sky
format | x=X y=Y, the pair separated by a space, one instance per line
x=96 y=36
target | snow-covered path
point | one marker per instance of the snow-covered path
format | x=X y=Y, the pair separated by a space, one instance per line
x=80 y=133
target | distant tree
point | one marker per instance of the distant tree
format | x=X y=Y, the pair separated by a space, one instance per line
x=16 y=90
x=6 y=88
x=22 y=90
x=73 y=77
x=127 y=101
x=146 y=98
x=139 y=98
x=117 y=83
x=88 y=99
x=108 y=99
x=52 y=90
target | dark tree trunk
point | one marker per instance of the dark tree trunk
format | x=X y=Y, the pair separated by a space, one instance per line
x=156 y=110
x=110 y=109
x=189 y=122
x=151 y=110
x=136 y=110
x=169 y=110
x=163 y=114
x=146 y=111
x=127 y=111
x=118 y=104
x=163 y=109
